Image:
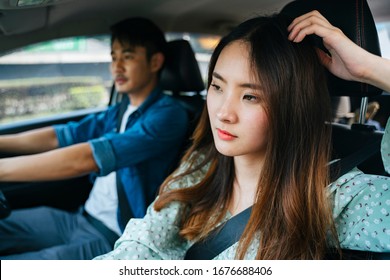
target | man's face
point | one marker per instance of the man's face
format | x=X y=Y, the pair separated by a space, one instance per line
x=132 y=72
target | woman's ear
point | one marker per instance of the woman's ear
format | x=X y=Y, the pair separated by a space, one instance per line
x=157 y=61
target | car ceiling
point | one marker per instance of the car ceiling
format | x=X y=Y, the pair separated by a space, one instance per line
x=61 y=18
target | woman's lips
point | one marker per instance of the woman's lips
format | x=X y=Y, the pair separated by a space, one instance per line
x=224 y=135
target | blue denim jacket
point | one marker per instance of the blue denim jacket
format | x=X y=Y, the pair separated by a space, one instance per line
x=143 y=154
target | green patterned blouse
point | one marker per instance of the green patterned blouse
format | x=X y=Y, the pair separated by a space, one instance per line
x=361 y=211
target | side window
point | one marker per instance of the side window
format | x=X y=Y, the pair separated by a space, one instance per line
x=54 y=77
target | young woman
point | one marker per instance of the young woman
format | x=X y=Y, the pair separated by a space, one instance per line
x=261 y=142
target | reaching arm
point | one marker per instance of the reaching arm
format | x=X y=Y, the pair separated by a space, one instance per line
x=30 y=142
x=58 y=164
x=347 y=60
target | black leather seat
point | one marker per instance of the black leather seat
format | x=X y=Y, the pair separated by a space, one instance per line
x=181 y=72
x=182 y=78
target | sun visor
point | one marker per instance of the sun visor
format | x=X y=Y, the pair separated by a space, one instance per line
x=23 y=20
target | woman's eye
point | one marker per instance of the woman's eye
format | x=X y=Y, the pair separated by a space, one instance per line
x=216 y=87
x=250 y=97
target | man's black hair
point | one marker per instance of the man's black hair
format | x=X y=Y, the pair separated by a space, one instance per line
x=140 y=32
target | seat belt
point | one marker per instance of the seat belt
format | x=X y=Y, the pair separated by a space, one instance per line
x=220 y=238
x=230 y=232
x=125 y=213
x=340 y=167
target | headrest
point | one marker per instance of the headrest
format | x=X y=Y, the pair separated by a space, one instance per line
x=181 y=71
x=354 y=18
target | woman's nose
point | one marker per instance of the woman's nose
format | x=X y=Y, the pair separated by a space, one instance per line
x=227 y=111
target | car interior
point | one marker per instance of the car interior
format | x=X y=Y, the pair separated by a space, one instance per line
x=353 y=145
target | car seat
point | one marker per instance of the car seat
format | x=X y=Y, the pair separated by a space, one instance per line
x=354 y=18
x=182 y=78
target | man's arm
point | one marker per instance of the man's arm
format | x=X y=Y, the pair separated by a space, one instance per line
x=58 y=164
x=30 y=142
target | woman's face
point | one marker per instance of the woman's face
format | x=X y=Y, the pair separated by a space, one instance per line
x=237 y=116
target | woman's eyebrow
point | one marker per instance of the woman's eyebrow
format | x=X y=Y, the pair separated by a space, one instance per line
x=218 y=76
x=243 y=85
x=251 y=86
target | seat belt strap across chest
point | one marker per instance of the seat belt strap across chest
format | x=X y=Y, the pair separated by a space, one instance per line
x=346 y=164
x=220 y=238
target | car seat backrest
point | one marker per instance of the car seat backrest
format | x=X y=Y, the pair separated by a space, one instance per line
x=182 y=77
x=354 y=18
x=181 y=72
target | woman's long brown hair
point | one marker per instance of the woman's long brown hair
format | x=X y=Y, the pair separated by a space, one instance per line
x=291 y=216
